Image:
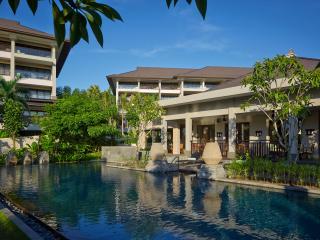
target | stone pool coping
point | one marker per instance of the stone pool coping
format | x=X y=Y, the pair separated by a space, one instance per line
x=29 y=232
x=127 y=168
x=43 y=230
x=282 y=187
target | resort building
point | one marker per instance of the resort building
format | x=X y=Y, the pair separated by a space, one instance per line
x=212 y=110
x=34 y=56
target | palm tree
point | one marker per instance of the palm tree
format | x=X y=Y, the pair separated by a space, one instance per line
x=9 y=90
x=94 y=91
x=123 y=106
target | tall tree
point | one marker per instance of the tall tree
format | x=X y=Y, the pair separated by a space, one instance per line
x=79 y=13
x=142 y=110
x=123 y=104
x=281 y=88
x=13 y=119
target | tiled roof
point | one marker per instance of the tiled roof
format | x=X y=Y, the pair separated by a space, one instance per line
x=309 y=63
x=16 y=27
x=153 y=72
x=218 y=72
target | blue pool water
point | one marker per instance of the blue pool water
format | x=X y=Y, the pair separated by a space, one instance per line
x=92 y=201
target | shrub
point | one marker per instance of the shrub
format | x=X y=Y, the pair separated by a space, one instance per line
x=279 y=172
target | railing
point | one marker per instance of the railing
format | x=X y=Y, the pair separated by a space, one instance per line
x=149 y=86
x=30 y=72
x=197 y=148
x=261 y=148
x=195 y=85
x=166 y=86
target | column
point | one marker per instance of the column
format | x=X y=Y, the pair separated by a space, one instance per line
x=159 y=86
x=267 y=129
x=12 y=60
x=117 y=93
x=176 y=139
x=232 y=129
x=53 y=74
x=188 y=136
x=181 y=89
x=164 y=127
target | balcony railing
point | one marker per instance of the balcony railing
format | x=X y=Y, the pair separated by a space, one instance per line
x=40 y=52
x=4 y=69
x=149 y=86
x=165 y=86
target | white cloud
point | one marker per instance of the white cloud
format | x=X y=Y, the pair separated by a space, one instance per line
x=195 y=45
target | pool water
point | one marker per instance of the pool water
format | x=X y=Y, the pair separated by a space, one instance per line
x=92 y=201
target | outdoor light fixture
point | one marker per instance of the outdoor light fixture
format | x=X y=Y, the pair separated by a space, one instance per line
x=258 y=133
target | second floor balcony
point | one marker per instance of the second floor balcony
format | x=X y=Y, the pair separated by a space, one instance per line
x=33 y=73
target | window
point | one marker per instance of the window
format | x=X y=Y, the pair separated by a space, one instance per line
x=128 y=85
x=41 y=52
x=30 y=72
x=191 y=85
x=40 y=94
x=5 y=46
x=4 y=69
x=211 y=85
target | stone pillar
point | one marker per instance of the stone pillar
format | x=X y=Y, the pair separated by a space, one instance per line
x=12 y=59
x=53 y=74
x=188 y=136
x=232 y=133
x=159 y=86
x=176 y=139
x=164 y=127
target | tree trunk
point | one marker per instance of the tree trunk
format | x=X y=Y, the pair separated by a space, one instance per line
x=122 y=124
x=293 y=128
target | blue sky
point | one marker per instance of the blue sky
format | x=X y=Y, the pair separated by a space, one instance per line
x=235 y=33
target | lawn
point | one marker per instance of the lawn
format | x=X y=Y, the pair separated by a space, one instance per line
x=8 y=230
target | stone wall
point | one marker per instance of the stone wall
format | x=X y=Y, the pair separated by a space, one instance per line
x=118 y=153
x=6 y=143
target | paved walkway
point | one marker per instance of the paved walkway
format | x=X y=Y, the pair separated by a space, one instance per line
x=20 y=224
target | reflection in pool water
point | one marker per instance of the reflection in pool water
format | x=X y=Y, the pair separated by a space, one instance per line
x=92 y=201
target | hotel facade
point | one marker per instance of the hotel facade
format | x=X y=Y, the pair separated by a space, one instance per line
x=35 y=57
x=205 y=105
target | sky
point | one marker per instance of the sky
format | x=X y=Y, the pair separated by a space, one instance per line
x=234 y=33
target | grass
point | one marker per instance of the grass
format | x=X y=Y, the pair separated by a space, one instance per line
x=8 y=230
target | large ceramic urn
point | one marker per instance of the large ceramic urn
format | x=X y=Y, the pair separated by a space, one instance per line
x=212 y=153
x=157 y=151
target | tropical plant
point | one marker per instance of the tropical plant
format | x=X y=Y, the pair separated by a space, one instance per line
x=13 y=120
x=279 y=172
x=142 y=110
x=281 y=89
x=76 y=122
x=78 y=13
x=34 y=149
x=94 y=91
x=10 y=90
x=123 y=104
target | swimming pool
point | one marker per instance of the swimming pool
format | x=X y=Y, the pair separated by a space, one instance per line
x=92 y=201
